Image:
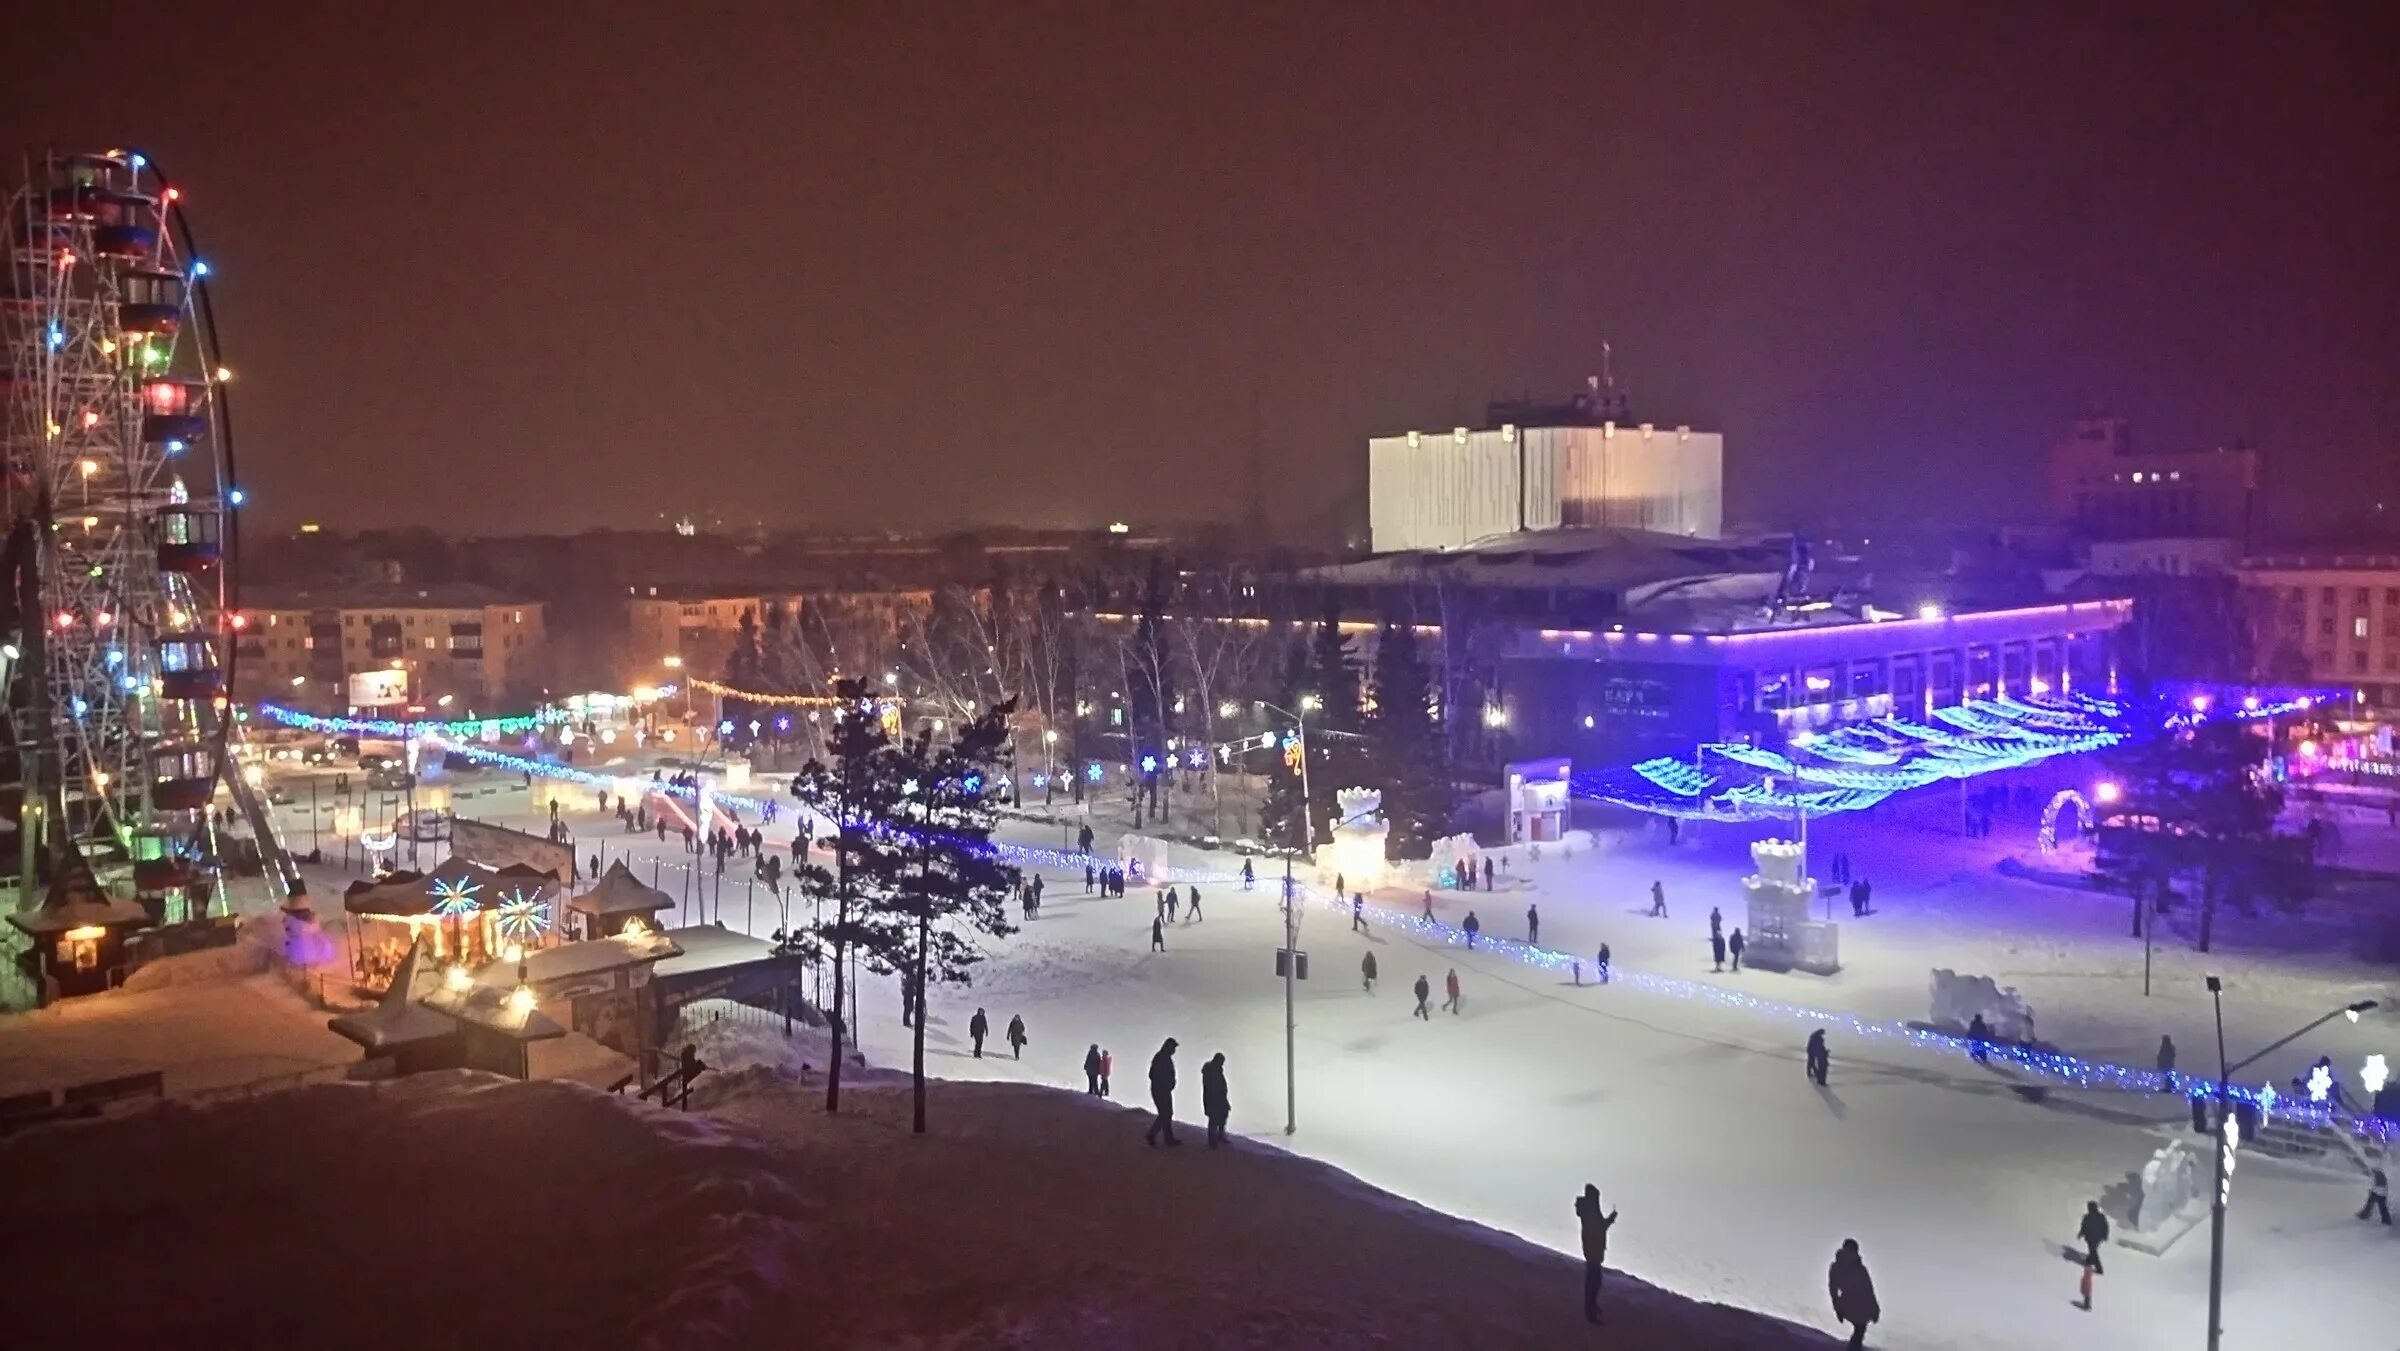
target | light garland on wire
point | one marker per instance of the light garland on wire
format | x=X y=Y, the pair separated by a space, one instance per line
x=725 y=691
x=404 y=730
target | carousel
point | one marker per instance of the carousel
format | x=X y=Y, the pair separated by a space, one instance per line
x=462 y=912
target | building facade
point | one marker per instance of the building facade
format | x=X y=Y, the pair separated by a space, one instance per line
x=320 y=650
x=2103 y=488
x=2332 y=620
x=1447 y=490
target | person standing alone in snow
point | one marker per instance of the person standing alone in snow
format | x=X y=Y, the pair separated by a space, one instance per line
x=1595 y=1247
x=2094 y=1232
x=1853 y=1292
x=979 y=1027
x=1158 y=934
x=1819 y=1059
x=1366 y=972
x=2166 y=1064
x=1162 y=1094
x=1978 y=1040
x=1091 y=1070
x=1602 y=963
x=2379 y=1192
x=1424 y=993
x=1533 y=926
x=1450 y=984
x=1214 y=1103
x=1716 y=951
x=1473 y=926
x=1016 y=1036
x=1734 y=946
x=1658 y=900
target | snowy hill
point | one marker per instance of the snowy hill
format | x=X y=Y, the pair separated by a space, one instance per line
x=458 y=1209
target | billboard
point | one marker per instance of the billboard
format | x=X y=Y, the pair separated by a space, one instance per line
x=378 y=689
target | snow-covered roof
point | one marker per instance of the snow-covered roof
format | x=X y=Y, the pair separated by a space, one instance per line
x=76 y=900
x=489 y=1006
x=705 y=947
x=410 y=893
x=619 y=892
x=398 y=1017
x=568 y=960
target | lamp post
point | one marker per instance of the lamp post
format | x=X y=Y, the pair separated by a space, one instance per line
x=2224 y=1093
x=1291 y=970
x=1049 y=762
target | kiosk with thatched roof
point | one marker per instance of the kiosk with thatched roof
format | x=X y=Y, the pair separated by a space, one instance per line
x=79 y=930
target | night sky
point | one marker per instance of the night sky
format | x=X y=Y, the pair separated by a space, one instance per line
x=528 y=266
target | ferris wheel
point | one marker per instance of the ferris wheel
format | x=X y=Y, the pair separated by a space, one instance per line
x=118 y=497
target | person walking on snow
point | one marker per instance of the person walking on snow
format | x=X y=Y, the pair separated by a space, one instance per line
x=1853 y=1292
x=1601 y=961
x=1473 y=926
x=1533 y=926
x=1595 y=1247
x=1174 y=903
x=979 y=1027
x=2166 y=1064
x=1424 y=994
x=1091 y=1070
x=2094 y=1232
x=1193 y=906
x=1734 y=946
x=1016 y=1036
x=1658 y=900
x=1162 y=1094
x=1819 y=1059
x=1429 y=907
x=1358 y=914
x=2379 y=1193
x=1450 y=984
x=1249 y=875
x=1158 y=935
x=1716 y=950
x=1366 y=972
x=1214 y=1103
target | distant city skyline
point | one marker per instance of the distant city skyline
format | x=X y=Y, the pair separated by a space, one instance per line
x=484 y=270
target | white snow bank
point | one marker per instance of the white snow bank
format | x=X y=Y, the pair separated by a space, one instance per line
x=456 y=1209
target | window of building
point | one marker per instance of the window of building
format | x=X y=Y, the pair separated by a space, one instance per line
x=2358 y=663
x=2326 y=595
x=2358 y=627
x=2324 y=659
x=2325 y=627
x=2361 y=597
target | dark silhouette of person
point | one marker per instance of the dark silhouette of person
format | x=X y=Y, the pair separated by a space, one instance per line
x=1734 y=946
x=1158 y=934
x=2379 y=1193
x=2094 y=1232
x=1091 y=1070
x=979 y=1027
x=1162 y=1095
x=1595 y=1247
x=1016 y=1036
x=1819 y=1059
x=1424 y=993
x=1853 y=1292
x=1215 y=1104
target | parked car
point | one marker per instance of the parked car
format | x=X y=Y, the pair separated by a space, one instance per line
x=390 y=778
x=428 y=827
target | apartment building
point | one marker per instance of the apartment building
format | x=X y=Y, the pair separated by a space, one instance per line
x=330 y=648
x=2330 y=619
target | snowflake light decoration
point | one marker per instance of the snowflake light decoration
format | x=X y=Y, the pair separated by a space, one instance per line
x=524 y=918
x=2374 y=1075
x=2320 y=1083
x=455 y=898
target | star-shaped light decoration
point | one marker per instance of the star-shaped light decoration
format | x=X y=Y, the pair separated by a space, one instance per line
x=524 y=918
x=455 y=898
x=2320 y=1083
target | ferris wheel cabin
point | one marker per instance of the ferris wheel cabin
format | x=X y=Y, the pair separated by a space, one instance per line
x=190 y=539
x=150 y=303
x=171 y=413
x=187 y=666
x=124 y=225
x=183 y=776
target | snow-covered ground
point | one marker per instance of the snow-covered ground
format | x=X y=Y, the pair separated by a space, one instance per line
x=458 y=1210
x=1736 y=1178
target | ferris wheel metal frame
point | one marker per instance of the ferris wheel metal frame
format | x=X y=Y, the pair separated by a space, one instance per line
x=118 y=440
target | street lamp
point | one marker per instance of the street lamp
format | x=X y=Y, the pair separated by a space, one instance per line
x=2216 y=1206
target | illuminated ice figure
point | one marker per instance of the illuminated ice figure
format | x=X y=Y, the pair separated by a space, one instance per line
x=1356 y=853
x=1780 y=935
x=2374 y=1075
x=2320 y=1082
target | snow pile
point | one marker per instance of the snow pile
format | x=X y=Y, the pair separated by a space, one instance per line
x=1959 y=1000
x=457 y=1209
x=258 y=938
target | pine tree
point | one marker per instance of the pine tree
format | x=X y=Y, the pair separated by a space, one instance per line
x=1335 y=762
x=2196 y=800
x=952 y=886
x=742 y=672
x=1403 y=749
x=857 y=795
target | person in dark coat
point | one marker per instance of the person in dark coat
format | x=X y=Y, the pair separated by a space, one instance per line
x=1158 y=934
x=1716 y=950
x=1091 y=1070
x=1595 y=1247
x=1602 y=963
x=1424 y=993
x=1091 y=875
x=1533 y=926
x=1820 y=1060
x=1858 y=899
x=2379 y=1194
x=979 y=1027
x=1215 y=1104
x=2094 y=1232
x=1162 y=1094
x=1716 y=922
x=1016 y=1036
x=1358 y=913
x=1249 y=875
x=2166 y=1064
x=1366 y=973
x=1734 y=946
x=1658 y=900
x=1853 y=1292
x=1473 y=926
x=1192 y=905
x=1487 y=872
x=1979 y=1034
